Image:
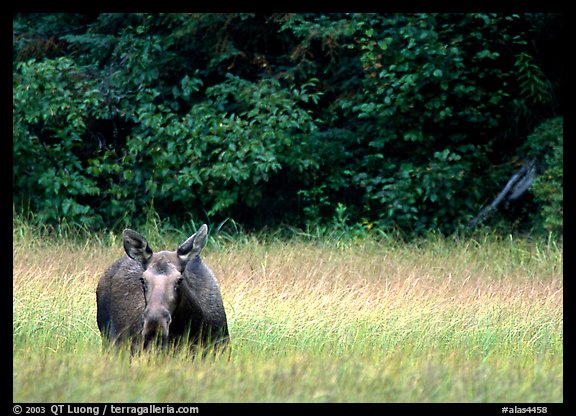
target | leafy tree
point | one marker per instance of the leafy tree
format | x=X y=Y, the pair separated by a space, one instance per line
x=402 y=122
x=545 y=144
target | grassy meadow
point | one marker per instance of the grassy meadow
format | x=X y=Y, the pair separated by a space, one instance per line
x=443 y=320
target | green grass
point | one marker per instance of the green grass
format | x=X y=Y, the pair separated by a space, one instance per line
x=442 y=320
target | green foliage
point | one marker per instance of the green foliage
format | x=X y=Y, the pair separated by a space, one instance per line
x=53 y=102
x=531 y=79
x=419 y=129
x=408 y=121
x=546 y=143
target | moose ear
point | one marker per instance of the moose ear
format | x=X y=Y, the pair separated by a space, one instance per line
x=136 y=246
x=193 y=245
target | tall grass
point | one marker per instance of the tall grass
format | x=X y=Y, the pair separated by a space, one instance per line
x=442 y=320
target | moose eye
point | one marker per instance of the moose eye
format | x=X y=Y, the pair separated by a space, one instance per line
x=143 y=283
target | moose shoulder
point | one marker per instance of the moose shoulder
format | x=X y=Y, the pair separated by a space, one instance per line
x=165 y=297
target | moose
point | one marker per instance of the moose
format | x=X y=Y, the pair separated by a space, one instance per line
x=163 y=298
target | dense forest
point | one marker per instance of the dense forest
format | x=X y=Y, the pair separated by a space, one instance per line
x=403 y=123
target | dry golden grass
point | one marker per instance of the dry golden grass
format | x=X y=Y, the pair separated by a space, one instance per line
x=311 y=321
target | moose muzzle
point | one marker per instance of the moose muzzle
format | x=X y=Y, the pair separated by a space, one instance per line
x=156 y=325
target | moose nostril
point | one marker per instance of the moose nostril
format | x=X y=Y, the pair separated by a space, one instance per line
x=156 y=313
x=156 y=321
